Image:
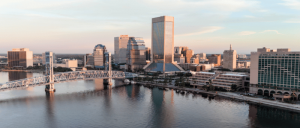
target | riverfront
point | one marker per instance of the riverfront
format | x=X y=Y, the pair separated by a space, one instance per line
x=89 y=104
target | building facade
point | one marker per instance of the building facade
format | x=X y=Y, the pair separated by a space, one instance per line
x=274 y=71
x=20 y=57
x=88 y=60
x=162 y=45
x=120 y=44
x=215 y=59
x=229 y=59
x=136 y=53
x=148 y=53
x=99 y=56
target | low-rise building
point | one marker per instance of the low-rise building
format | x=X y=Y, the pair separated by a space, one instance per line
x=67 y=63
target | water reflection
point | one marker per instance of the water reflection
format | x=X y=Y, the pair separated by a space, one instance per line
x=50 y=110
x=19 y=75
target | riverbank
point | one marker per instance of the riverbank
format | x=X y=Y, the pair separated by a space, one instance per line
x=251 y=100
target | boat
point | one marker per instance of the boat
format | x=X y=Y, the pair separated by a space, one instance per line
x=127 y=82
x=133 y=82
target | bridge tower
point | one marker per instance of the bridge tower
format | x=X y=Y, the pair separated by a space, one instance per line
x=49 y=72
x=108 y=68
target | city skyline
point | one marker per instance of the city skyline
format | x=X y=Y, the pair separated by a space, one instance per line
x=206 y=26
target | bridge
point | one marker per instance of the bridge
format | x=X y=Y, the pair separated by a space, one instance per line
x=65 y=77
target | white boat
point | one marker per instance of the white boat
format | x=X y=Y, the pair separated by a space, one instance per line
x=126 y=81
x=132 y=82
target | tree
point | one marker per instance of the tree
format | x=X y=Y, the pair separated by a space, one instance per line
x=233 y=87
x=204 y=87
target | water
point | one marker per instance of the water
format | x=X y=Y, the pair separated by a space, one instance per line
x=89 y=104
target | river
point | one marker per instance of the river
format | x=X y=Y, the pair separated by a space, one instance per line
x=89 y=104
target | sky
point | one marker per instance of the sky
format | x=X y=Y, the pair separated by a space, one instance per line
x=209 y=26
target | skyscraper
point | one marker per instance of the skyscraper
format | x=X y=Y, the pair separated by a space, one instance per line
x=136 y=57
x=120 y=49
x=163 y=45
x=99 y=56
x=20 y=57
x=229 y=59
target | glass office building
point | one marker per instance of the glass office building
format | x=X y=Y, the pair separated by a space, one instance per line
x=162 y=45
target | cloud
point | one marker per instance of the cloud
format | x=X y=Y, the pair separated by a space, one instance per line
x=271 y=31
x=224 y=5
x=205 y=30
x=293 y=4
x=248 y=16
x=293 y=21
x=244 y=33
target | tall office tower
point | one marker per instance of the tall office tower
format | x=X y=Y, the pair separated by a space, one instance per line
x=136 y=57
x=120 y=49
x=229 y=59
x=163 y=45
x=20 y=57
x=148 y=53
x=88 y=60
x=99 y=56
x=202 y=55
x=44 y=58
x=274 y=71
x=215 y=59
x=188 y=55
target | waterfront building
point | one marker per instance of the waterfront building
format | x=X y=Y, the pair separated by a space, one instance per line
x=136 y=53
x=67 y=63
x=215 y=59
x=162 y=45
x=99 y=56
x=120 y=44
x=20 y=57
x=274 y=71
x=229 y=59
x=220 y=79
x=88 y=60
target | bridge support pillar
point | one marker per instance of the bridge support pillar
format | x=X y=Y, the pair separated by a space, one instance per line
x=107 y=82
x=50 y=88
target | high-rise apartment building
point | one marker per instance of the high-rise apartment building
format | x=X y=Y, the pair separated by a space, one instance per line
x=20 y=57
x=136 y=53
x=274 y=71
x=99 y=56
x=163 y=45
x=120 y=48
x=229 y=59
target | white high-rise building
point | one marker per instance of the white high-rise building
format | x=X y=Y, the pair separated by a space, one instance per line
x=120 y=49
x=229 y=59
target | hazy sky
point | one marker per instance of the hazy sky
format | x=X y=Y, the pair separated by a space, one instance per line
x=210 y=26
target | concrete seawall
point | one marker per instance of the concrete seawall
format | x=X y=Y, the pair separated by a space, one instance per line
x=271 y=103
